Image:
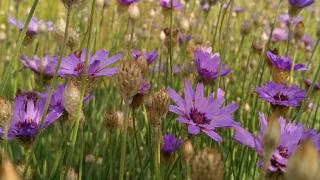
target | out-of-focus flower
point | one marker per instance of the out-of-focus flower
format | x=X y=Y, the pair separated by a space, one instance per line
x=171 y=4
x=149 y=56
x=200 y=113
x=25 y=121
x=281 y=95
x=73 y=65
x=295 y=6
x=208 y=64
x=290 y=137
x=170 y=144
x=184 y=39
x=278 y=34
x=44 y=66
x=207 y=4
x=34 y=25
x=283 y=62
x=308 y=83
x=127 y=2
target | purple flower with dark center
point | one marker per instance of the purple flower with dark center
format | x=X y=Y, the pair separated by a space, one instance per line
x=284 y=62
x=301 y=3
x=171 y=4
x=73 y=65
x=200 y=113
x=170 y=144
x=281 y=95
x=149 y=56
x=127 y=2
x=25 y=122
x=34 y=26
x=308 y=83
x=290 y=137
x=208 y=64
x=44 y=66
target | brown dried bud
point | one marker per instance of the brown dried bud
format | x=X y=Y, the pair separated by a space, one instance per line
x=207 y=165
x=304 y=163
x=114 y=120
x=71 y=98
x=5 y=112
x=271 y=137
x=187 y=150
x=7 y=170
x=129 y=79
x=245 y=28
x=143 y=65
x=157 y=105
x=298 y=31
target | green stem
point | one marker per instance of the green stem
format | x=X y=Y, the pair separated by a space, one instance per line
x=289 y=36
x=157 y=140
x=124 y=140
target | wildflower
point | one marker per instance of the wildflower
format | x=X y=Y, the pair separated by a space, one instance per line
x=290 y=137
x=170 y=144
x=73 y=65
x=207 y=4
x=200 y=113
x=127 y=2
x=149 y=56
x=207 y=164
x=285 y=19
x=171 y=4
x=184 y=39
x=138 y=99
x=281 y=95
x=208 y=64
x=295 y=6
x=44 y=66
x=278 y=34
x=25 y=122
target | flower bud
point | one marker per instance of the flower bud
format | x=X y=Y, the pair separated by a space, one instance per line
x=187 y=150
x=71 y=98
x=90 y=159
x=5 y=112
x=207 y=165
x=298 y=31
x=129 y=79
x=157 y=105
x=78 y=4
x=134 y=12
x=184 y=24
x=304 y=163
x=245 y=28
x=143 y=65
x=114 y=120
x=58 y=33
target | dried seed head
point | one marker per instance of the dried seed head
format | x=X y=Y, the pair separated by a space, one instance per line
x=207 y=165
x=90 y=159
x=7 y=170
x=298 y=31
x=271 y=137
x=71 y=98
x=114 y=120
x=245 y=28
x=134 y=12
x=187 y=150
x=58 y=33
x=129 y=79
x=78 y=4
x=5 y=112
x=71 y=175
x=304 y=163
x=143 y=65
x=157 y=105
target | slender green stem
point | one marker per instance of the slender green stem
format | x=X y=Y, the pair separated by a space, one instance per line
x=157 y=140
x=124 y=140
x=136 y=140
x=289 y=36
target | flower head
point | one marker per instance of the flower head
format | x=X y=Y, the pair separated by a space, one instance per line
x=171 y=4
x=127 y=2
x=301 y=3
x=73 y=65
x=25 y=122
x=200 y=113
x=208 y=64
x=170 y=144
x=149 y=56
x=34 y=27
x=290 y=137
x=281 y=95
x=283 y=63
x=44 y=66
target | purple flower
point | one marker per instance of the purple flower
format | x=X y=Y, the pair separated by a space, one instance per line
x=44 y=66
x=25 y=122
x=309 y=82
x=285 y=19
x=308 y=42
x=208 y=64
x=171 y=4
x=184 y=39
x=281 y=95
x=200 y=113
x=56 y=103
x=144 y=87
x=127 y=2
x=73 y=65
x=290 y=137
x=301 y=3
x=149 y=56
x=284 y=63
x=278 y=34
x=170 y=144
x=34 y=25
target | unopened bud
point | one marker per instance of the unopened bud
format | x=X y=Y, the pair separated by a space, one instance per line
x=90 y=159
x=271 y=137
x=129 y=79
x=134 y=12
x=5 y=112
x=71 y=98
x=304 y=163
x=298 y=31
x=245 y=28
x=114 y=120
x=184 y=24
x=157 y=105
x=78 y=4
x=207 y=165
x=187 y=150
